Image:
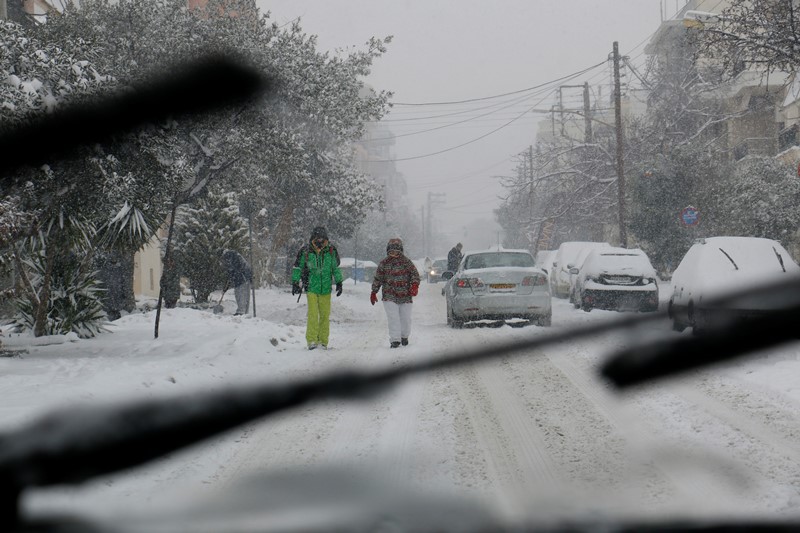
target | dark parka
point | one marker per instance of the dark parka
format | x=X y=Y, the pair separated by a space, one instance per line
x=238 y=268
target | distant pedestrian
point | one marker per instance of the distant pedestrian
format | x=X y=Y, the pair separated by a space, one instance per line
x=240 y=276
x=317 y=268
x=454 y=258
x=399 y=280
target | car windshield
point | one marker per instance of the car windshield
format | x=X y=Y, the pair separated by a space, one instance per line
x=501 y=259
x=312 y=383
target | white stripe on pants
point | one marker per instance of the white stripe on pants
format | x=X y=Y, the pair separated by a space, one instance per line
x=399 y=316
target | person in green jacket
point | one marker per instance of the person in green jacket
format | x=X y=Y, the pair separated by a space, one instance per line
x=317 y=267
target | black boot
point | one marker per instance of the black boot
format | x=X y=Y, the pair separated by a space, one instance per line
x=404 y=342
x=394 y=344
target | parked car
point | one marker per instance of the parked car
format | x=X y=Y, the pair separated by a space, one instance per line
x=544 y=260
x=438 y=267
x=718 y=266
x=498 y=285
x=574 y=272
x=565 y=258
x=619 y=279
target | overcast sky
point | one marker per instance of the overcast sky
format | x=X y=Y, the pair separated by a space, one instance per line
x=452 y=50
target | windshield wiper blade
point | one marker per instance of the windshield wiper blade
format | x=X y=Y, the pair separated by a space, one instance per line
x=780 y=258
x=223 y=81
x=730 y=259
x=734 y=338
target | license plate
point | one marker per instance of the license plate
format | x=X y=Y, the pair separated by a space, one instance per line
x=620 y=280
x=502 y=285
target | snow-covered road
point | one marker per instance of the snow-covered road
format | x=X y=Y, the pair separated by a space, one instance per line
x=537 y=435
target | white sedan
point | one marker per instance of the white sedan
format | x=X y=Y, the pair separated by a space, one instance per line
x=498 y=285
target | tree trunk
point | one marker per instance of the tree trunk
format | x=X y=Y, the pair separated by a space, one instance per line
x=280 y=236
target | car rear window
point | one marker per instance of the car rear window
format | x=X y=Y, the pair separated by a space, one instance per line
x=501 y=259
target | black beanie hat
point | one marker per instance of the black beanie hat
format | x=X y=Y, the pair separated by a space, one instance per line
x=319 y=233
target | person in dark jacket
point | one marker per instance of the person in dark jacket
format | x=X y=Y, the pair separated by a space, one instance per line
x=240 y=276
x=399 y=280
x=317 y=268
x=454 y=258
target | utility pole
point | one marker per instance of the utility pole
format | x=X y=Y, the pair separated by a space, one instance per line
x=434 y=198
x=587 y=114
x=424 y=240
x=531 y=242
x=623 y=236
x=3 y=10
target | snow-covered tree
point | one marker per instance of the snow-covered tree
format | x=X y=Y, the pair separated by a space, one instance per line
x=46 y=223
x=571 y=186
x=203 y=230
x=290 y=151
x=660 y=190
x=760 y=200
x=754 y=33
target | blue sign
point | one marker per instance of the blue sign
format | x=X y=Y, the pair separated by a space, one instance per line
x=690 y=216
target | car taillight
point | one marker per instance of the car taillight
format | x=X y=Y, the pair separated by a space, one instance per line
x=469 y=282
x=535 y=281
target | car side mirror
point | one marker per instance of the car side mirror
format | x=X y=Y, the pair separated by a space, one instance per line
x=447 y=274
x=574 y=270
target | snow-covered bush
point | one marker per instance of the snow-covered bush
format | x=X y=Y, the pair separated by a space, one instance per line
x=75 y=303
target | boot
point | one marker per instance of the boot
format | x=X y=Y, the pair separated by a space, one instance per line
x=404 y=342
x=394 y=344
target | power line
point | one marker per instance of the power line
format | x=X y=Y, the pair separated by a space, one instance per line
x=449 y=124
x=486 y=134
x=568 y=76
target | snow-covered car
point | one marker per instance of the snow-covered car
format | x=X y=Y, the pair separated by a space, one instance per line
x=438 y=267
x=620 y=279
x=575 y=271
x=716 y=267
x=565 y=259
x=544 y=260
x=498 y=285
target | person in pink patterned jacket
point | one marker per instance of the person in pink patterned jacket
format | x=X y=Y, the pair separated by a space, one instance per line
x=399 y=280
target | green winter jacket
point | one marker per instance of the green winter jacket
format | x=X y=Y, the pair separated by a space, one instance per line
x=317 y=270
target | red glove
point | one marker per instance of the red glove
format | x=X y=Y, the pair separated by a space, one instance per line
x=373 y=298
x=414 y=289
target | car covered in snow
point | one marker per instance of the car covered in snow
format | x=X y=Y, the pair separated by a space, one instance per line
x=620 y=279
x=716 y=267
x=565 y=259
x=498 y=284
x=544 y=260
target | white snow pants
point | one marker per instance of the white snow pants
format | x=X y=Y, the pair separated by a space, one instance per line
x=399 y=316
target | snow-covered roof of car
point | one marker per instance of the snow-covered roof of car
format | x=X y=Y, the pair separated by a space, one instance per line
x=619 y=261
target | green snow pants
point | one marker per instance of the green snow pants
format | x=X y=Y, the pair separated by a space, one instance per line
x=318 y=326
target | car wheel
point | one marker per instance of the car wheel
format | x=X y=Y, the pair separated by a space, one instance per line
x=586 y=306
x=677 y=326
x=452 y=321
x=691 y=314
x=545 y=320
